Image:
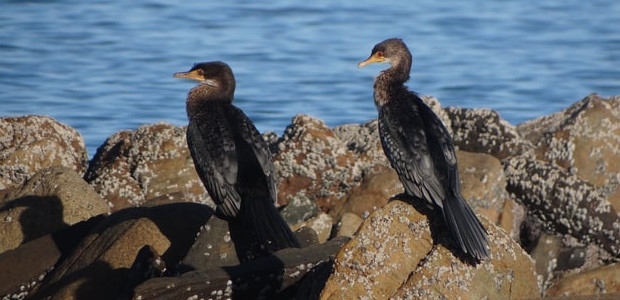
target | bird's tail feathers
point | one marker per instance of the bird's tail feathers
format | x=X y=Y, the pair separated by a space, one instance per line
x=466 y=228
x=263 y=227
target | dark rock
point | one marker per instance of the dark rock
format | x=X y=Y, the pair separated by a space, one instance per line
x=152 y=161
x=25 y=266
x=274 y=276
x=563 y=203
x=99 y=267
x=52 y=199
x=483 y=131
x=213 y=248
x=31 y=143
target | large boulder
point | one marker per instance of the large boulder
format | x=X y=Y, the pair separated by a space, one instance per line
x=584 y=140
x=483 y=131
x=152 y=162
x=564 y=203
x=29 y=144
x=52 y=199
x=400 y=252
x=99 y=267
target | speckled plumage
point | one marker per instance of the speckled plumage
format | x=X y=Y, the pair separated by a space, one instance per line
x=420 y=148
x=234 y=162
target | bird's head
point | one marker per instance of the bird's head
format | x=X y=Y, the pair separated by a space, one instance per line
x=216 y=76
x=392 y=51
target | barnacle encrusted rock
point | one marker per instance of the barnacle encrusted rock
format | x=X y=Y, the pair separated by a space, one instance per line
x=564 y=203
x=313 y=163
x=152 y=161
x=483 y=131
x=31 y=143
x=395 y=255
x=584 y=139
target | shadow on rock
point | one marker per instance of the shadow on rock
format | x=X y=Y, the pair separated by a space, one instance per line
x=109 y=251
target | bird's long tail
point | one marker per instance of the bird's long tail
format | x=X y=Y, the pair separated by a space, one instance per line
x=259 y=229
x=465 y=228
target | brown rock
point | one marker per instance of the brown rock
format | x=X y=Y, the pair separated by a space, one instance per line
x=377 y=186
x=52 y=199
x=387 y=247
x=483 y=131
x=99 y=267
x=150 y=162
x=483 y=183
x=313 y=163
x=599 y=281
x=31 y=143
x=393 y=255
x=583 y=139
x=348 y=225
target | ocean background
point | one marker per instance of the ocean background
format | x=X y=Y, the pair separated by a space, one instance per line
x=104 y=66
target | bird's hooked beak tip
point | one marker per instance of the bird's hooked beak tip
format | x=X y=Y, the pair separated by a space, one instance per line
x=372 y=59
x=364 y=63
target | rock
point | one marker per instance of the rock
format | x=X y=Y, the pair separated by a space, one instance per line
x=31 y=143
x=563 y=203
x=52 y=199
x=483 y=183
x=99 y=267
x=483 y=131
x=584 y=140
x=271 y=277
x=545 y=253
x=395 y=254
x=24 y=267
x=599 y=281
x=150 y=162
x=321 y=224
x=378 y=185
x=213 y=248
x=348 y=225
x=315 y=165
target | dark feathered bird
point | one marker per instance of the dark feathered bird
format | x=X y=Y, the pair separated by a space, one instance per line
x=420 y=148
x=234 y=163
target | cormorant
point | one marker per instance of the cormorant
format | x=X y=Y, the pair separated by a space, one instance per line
x=420 y=148
x=234 y=163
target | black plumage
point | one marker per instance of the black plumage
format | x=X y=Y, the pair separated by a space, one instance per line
x=234 y=163
x=420 y=148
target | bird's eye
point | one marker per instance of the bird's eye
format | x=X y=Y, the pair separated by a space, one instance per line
x=200 y=72
x=379 y=54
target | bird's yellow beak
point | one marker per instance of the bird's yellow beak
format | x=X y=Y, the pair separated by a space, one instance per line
x=189 y=75
x=374 y=58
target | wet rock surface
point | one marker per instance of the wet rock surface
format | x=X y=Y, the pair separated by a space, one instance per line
x=140 y=225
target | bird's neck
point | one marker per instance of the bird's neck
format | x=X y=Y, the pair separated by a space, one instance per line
x=199 y=98
x=390 y=82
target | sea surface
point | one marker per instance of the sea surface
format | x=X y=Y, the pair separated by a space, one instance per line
x=104 y=66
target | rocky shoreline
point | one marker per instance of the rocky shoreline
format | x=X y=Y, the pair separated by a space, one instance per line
x=136 y=222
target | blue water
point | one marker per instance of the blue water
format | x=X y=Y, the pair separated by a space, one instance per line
x=103 y=66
